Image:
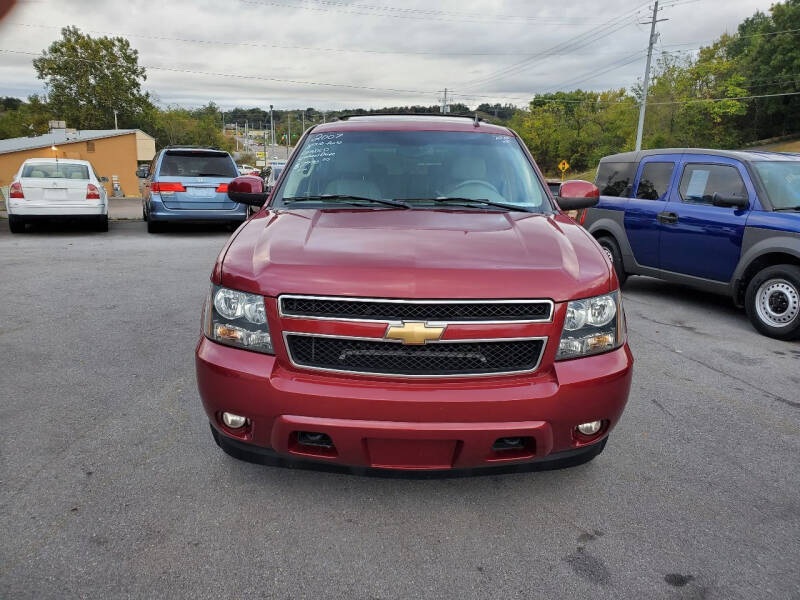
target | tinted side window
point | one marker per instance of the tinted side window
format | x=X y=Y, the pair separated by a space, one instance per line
x=654 y=182
x=615 y=178
x=700 y=182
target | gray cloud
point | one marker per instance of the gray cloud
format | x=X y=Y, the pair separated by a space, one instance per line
x=463 y=28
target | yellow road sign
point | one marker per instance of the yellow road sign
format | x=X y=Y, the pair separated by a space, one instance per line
x=563 y=165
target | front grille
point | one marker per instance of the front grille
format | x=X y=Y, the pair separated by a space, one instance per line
x=385 y=310
x=432 y=359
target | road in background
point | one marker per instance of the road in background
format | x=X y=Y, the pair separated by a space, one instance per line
x=111 y=486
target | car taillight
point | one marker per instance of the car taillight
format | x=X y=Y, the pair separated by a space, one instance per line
x=166 y=186
x=15 y=191
x=92 y=193
x=223 y=187
x=582 y=218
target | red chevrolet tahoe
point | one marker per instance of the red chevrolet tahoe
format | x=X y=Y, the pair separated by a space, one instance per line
x=411 y=296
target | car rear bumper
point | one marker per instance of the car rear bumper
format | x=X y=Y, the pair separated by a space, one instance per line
x=421 y=425
x=57 y=210
x=157 y=211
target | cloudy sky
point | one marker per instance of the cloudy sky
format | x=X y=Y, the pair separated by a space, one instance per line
x=335 y=54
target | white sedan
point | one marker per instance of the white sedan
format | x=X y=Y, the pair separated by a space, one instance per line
x=48 y=188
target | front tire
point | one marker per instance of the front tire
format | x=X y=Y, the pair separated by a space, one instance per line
x=612 y=251
x=16 y=224
x=772 y=301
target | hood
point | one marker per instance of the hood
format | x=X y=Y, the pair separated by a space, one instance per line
x=416 y=254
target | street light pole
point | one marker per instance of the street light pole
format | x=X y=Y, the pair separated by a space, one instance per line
x=271 y=126
x=288 y=133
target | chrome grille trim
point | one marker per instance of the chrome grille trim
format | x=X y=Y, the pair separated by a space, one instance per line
x=543 y=339
x=548 y=319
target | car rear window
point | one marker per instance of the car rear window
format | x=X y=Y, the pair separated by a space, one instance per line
x=197 y=164
x=615 y=178
x=56 y=170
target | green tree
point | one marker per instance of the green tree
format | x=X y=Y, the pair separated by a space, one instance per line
x=88 y=78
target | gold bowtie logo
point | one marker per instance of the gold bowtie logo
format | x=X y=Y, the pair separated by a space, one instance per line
x=414 y=333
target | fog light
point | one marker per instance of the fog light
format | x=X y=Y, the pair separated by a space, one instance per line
x=233 y=421
x=590 y=428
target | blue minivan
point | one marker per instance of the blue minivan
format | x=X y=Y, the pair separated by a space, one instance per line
x=723 y=221
x=189 y=185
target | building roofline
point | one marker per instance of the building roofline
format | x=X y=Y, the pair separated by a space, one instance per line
x=51 y=139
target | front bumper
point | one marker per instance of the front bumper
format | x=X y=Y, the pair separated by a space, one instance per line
x=421 y=424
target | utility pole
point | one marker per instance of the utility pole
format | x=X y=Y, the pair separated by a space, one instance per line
x=303 y=115
x=115 y=119
x=445 y=108
x=643 y=105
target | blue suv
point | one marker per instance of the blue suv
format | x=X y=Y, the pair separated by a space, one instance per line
x=189 y=185
x=723 y=221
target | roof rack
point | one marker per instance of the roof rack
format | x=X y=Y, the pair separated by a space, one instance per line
x=462 y=115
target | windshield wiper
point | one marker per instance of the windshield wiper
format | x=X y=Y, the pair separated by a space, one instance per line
x=786 y=208
x=467 y=201
x=354 y=200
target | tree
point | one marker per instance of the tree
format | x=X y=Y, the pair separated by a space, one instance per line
x=88 y=78
x=20 y=119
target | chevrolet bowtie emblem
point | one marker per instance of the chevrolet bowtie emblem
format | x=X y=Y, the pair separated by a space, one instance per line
x=414 y=333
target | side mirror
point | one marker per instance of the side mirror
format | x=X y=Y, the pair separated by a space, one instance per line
x=577 y=194
x=104 y=179
x=141 y=172
x=729 y=201
x=249 y=190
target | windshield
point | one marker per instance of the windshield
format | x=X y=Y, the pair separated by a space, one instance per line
x=55 y=170
x=417 y=167
x=782 y=182
x=197 y=164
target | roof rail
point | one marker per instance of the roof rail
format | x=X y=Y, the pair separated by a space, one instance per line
x=189 y=147
x=399 y=114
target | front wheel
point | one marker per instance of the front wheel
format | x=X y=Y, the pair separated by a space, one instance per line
x=612 y=251
x=772 y=301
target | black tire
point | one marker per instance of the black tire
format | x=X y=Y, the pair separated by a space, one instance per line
x=153 y=226
x=772 y=302
x=102 y=223
x=611 y=248
x=16 y=224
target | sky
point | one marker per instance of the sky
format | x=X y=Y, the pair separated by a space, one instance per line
x=336 y=54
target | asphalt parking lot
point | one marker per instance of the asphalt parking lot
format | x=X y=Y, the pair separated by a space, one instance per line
x=111 y=486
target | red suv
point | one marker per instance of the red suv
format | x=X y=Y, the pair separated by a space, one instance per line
x=410 y=296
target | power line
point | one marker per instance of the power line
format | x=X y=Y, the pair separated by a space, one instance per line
x=407 y=13
x=264 y=45
x=578 y=41
x=594 y=74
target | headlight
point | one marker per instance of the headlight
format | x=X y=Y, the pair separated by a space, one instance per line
x=237 y=319
x=592 y=326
